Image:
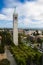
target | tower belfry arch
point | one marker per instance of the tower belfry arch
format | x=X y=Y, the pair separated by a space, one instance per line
x=15 y=27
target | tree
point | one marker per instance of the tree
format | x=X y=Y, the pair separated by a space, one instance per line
x=41 y=60
x=42 y=32
x=39 y=40
x=34 y=34
x=35 y=59
x=8 y=38
x=4 y=62
x=37 y=32
x=29 y=60
x=28 y=38
x=19 y=38
x=35 y=49
x=32 y=39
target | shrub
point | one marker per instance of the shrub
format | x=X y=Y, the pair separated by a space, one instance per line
x=1 y=49
x=4 y=62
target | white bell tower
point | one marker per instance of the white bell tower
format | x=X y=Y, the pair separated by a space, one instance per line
x=15 y=28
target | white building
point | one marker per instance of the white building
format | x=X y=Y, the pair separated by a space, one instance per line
x=15 y=28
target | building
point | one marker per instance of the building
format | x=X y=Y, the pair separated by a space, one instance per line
x=20 y=31
x=15 y=28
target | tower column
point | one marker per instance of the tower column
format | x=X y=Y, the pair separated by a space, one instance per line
x=15 y=28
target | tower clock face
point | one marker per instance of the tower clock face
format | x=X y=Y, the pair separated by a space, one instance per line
x=15 y=18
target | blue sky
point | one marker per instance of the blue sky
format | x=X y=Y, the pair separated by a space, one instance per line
x=30 y=13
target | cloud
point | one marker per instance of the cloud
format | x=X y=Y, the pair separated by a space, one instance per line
x=4 y=17
x=8 y=12
x=5 y=23
x=12 y=3
x=27 y=12
x=41 y=1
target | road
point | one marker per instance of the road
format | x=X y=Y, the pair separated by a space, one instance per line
x=10 y=57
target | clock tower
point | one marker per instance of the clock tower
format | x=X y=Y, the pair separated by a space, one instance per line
x=15 y=28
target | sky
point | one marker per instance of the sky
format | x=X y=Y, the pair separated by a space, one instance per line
x=30 y=13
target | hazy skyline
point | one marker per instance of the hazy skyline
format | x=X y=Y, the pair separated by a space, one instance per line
x=30 y=13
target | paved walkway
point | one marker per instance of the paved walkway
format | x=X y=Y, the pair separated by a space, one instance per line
x=10 y=57
x=3 y=56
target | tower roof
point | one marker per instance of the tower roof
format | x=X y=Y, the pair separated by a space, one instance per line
x=15 y=11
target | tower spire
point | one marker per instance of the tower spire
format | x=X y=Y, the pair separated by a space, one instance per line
x=15 y=9
x=15 y=27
